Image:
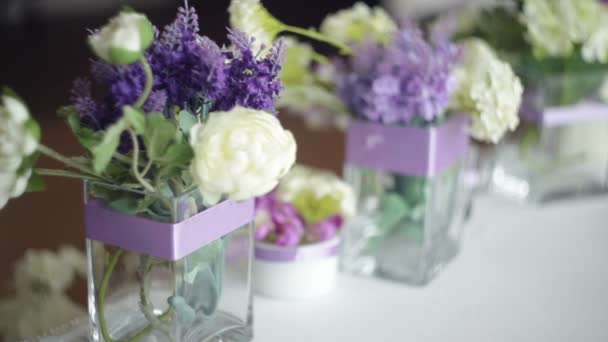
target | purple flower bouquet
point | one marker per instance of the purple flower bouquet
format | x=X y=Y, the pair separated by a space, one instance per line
x=404 y=156
x=297 y=234
x=406 y=142
x=180 y=135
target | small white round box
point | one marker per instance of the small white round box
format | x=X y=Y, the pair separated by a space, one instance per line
x=297 y=272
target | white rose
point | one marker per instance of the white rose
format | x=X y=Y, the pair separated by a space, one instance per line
x=321 y=183
x=488 y=90
x=19 y=136
x=124 y=39
x=251 y=17
x=241 y=153
x=359 y=22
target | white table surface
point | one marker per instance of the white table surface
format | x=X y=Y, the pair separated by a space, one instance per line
x=524 y=274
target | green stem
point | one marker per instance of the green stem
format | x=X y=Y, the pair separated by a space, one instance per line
x=147 y=168
x=101 y=301
x=344 y=49
x=101 y=298
x=67 y=161
x=122 y=158
x=64 y=173
x=135 y=164
x=148 y=86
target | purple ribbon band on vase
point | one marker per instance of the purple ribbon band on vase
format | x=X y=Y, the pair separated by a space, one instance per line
x=559 y=116
x=423 y=152
x=169 y=241
x=269 y=252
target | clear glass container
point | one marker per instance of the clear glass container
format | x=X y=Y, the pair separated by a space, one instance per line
x=542 y=162
x=407 y=227
x=204 y=296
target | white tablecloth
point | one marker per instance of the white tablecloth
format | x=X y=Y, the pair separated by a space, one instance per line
x=525 y=274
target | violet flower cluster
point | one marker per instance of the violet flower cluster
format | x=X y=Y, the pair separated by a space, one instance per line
x=190 y=72
x=405 y=80
x=280 y=222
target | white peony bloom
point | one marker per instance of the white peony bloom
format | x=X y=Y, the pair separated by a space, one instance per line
x=321 y=183
x=19 y=136
x=124 y=39
x=488 y=90
x=359 y=22
x=556 y=26
x=251 y=17
x=241 y=153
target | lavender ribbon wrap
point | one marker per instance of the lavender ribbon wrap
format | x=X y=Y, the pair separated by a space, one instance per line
x=269 y=252
x=169 y=241
x=564 y=115
x=424 y=152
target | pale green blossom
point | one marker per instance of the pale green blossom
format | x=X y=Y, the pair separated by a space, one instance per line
x=595 y=49
x=303 y=185
x=488 y=90
x=320 y=107
x=358 y=23
x=297 y=62
x=555 y=27
x=251 y=17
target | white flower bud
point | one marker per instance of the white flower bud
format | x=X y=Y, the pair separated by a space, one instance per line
x=124 y=39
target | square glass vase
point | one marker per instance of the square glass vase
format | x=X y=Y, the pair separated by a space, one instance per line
x=559 y=151
x=177 y=271
x=409 y=219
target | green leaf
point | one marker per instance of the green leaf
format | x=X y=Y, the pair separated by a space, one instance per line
x=186 y=120
x=136 y=119
x=177 y=154
x=159 y=134
x=35 y=184
x=393 y=209
x=132 y=205
x=125 y=204
x=9 y=92
x=27 y=163
x=33 y=128
x=103 y=152
x=86 y=136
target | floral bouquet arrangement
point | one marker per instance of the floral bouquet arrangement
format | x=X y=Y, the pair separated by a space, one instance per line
x=180 y=139
x=560 y=50
x=297 y=230
x=413 y=99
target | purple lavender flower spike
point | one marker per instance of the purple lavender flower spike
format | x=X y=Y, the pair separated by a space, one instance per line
x=252 y=82
x=401 y=81
x=190 y=71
